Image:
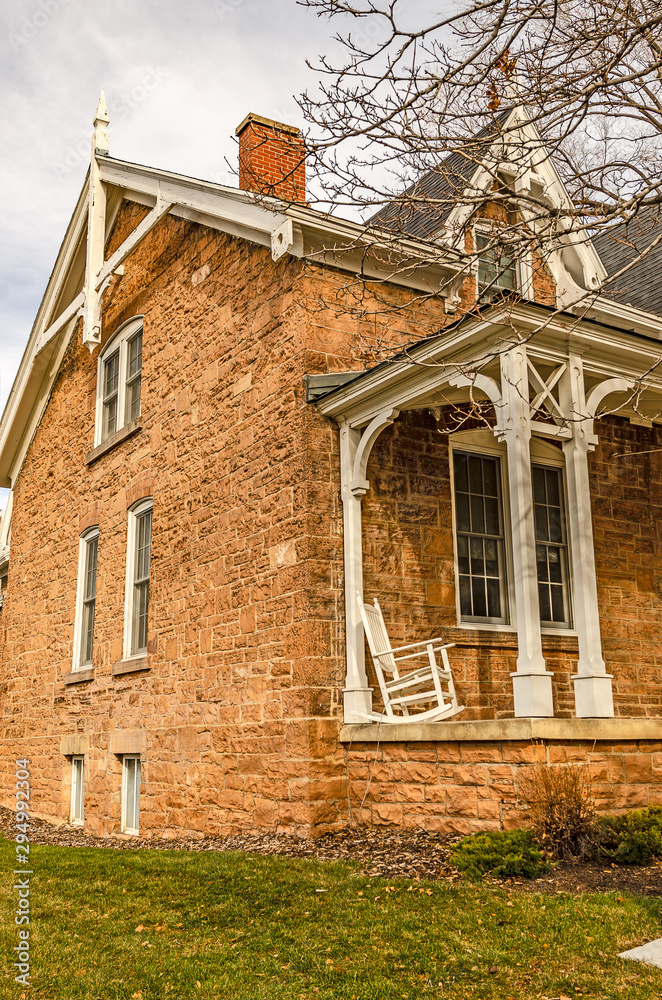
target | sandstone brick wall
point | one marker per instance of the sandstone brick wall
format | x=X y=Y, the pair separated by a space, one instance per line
x=464 y=787
x=240 y=709
x=408 y=565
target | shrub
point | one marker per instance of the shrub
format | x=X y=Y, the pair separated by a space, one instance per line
x=630 y=839
x=561 y=812
x=504 y=854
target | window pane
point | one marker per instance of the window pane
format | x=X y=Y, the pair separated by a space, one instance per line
x=465 y=596
x=551 y=557
x=460 y=472
x=491 y=516
x=477 y=515
x=89 y=584
x=135 y=356
x=133 y=377
x=479 y=537
x=475 y=475
x=111 y=375
x=478 y=594
x=77 y=789
x=91 y=549
x=463 y=553
x=131 y=792
x=462 y=512
x=143 y=529
x=109 y=424
x=87 y=635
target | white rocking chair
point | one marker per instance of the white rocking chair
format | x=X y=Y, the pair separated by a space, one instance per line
x=426 y=683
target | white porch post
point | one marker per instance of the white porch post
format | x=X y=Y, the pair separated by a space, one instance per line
x=532 y=683
x=593 y=694
x=357 y=695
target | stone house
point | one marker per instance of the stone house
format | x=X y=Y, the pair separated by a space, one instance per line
x=204 y=472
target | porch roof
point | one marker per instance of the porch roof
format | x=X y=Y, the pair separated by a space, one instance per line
x=412 y=378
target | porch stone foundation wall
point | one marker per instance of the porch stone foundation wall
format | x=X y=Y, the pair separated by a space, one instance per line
x=462 y=788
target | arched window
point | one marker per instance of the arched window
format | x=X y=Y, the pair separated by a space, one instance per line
x=119 y=378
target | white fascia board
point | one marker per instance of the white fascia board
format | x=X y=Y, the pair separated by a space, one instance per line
x=628 y=317
x=606 y=351
x=252 y=217
x=35 y=358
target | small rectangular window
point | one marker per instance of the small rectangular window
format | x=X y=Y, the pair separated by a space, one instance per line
x=479 y=538
x=130 y=793
x=77 y=790
x=551 y=546
x=496 y=267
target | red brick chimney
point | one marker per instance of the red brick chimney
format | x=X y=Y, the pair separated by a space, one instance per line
x=271 y=158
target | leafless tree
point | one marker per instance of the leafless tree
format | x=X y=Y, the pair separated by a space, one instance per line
x=402 y=120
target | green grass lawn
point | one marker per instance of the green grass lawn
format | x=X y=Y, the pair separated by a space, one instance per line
x=156 y=924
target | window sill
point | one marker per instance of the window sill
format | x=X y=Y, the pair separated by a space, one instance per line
x=131 y=666
x=121 y=435
x=503 y=730
x=79 y=676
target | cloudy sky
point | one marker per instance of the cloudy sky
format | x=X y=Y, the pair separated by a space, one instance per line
x=179 y=77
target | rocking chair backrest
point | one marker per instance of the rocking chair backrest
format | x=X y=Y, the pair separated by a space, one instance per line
x=375 y=631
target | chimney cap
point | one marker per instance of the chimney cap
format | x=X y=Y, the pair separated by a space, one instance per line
x=269 y=122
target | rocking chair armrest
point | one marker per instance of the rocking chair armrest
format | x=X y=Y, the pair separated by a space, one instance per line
x=415 y=645
x=411 y=656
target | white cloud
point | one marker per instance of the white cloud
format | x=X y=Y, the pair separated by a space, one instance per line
x=178 y=77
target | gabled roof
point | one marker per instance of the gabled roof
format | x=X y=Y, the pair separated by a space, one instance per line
x=425 y=205
x=295 y=229
x=631 y=243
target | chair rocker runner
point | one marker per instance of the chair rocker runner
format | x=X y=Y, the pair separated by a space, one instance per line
x=424 y=683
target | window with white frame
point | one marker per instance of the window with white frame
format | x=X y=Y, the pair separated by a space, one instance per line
x=130 y=792
x=77 y=814
x=497 y=267
x=551 y=546
x=138 y=561
x=482 y=535
x=119 y=379
x=479 y=537
x=86 y=599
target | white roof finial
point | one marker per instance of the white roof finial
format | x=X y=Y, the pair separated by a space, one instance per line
x=101 y=120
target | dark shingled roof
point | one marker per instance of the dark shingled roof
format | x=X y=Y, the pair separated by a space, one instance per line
x=641 y=285
x=421 y=210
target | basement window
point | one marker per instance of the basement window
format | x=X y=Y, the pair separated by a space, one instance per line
x=77 y=814
x=119 y=379
x=130 y=792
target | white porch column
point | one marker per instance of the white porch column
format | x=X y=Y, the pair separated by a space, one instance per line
x=532 y=683
x=357 y=695
x=593 y=693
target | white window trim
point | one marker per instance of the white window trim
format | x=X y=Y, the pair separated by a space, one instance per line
x=125 y=758
x=119 y=340
x=77 y=821
x=87 y=536
x=131 y=545
x=483 y=442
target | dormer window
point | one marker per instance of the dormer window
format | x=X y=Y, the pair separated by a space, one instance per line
x=119 y=380
x=497 y=268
